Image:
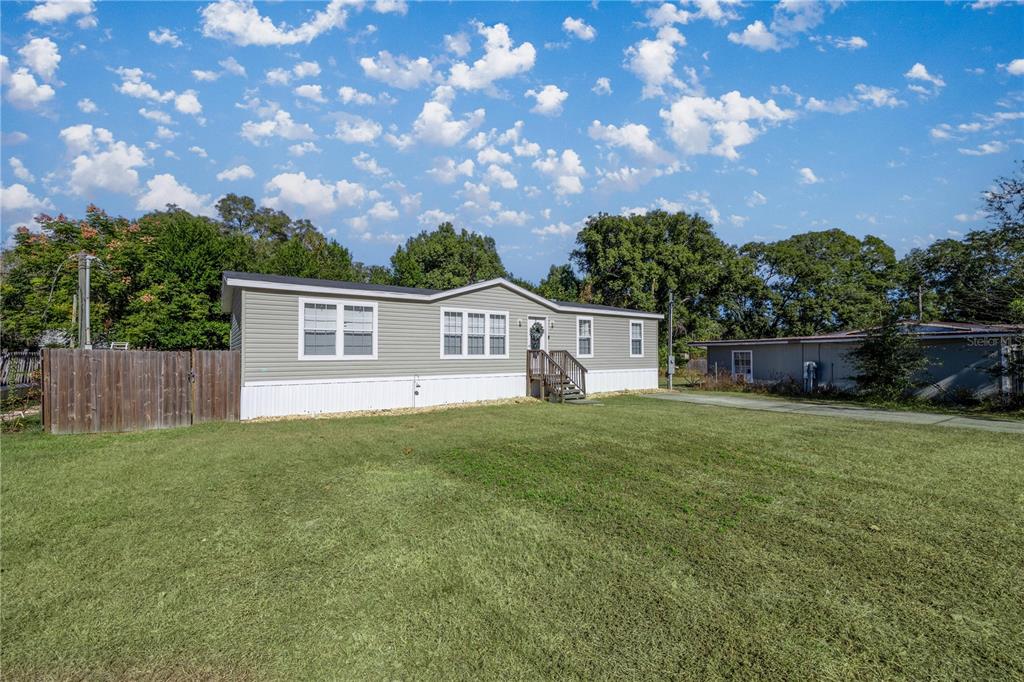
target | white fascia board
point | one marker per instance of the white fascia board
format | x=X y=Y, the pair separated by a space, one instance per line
x=428 y=298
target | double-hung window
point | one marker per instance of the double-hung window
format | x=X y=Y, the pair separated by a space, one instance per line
x=585 y=337
x=320 y=329
x=498 y=334
x=452 y=333
x=636 y=339
x=321 y=320
x=476 y=333
x=473 y=333
x=358 y=330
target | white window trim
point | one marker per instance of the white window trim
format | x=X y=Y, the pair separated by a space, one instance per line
x=339 y=334
x=629 y=338
x=465 y=333
x=580 y=318
x=751 y=353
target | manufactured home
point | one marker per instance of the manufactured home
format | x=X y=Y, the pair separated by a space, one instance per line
x=311 y=346
x=962 y=359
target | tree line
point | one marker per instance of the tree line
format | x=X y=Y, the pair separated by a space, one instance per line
x=156 y=282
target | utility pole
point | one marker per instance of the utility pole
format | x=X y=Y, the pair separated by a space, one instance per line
x=671 y=355
x=920 y=305
x=84 y=330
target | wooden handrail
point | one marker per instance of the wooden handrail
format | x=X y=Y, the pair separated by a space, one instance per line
x=541 y=364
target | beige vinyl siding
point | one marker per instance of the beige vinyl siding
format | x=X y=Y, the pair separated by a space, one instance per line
x=235 y=338
x=409 y=337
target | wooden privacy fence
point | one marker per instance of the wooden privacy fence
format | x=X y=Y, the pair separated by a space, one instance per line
x=88 y=391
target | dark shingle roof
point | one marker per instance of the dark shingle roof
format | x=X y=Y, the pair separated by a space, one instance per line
x=309 y=281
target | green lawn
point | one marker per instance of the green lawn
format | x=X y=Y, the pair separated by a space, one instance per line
x=635 y=539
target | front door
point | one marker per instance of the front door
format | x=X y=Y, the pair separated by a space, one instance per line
x=537 y=333
x=743 y=365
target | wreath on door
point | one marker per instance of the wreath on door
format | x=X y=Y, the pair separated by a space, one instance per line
x=536 y=333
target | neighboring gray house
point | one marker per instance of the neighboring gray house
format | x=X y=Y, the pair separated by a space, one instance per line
x=313 y=346
x=962 y=358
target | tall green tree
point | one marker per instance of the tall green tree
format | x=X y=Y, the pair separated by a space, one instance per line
x=561 y=284
x=888 y=360
x=980 y=277
x=635 y=261
x=446 y=258
x=824 y=281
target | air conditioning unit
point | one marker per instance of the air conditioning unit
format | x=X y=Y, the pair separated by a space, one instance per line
x=810 y=376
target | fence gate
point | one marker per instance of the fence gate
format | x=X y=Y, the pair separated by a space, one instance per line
x=88 y=391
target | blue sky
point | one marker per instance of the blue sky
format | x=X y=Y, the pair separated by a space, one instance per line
x=377 y=120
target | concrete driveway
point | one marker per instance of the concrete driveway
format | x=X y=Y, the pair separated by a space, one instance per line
x=837 y=410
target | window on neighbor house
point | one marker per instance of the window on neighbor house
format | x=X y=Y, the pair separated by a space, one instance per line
x=320 y=329
x=636 y=339
x=584 y=337
x=358 y=339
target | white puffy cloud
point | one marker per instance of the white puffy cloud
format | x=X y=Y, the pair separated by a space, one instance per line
x=306 y=70
x=632 y=136
x=653 y=61
x=500 y=60
x=165 y=189
x=310 y=92
x=435 y=124
x=756 y=36
x=493 y=155
x=240 y=22
x=165 y=36
x=100 y=161
x=994 y=147
x=447 y=171
x=383 y=211
x=280 y=125
x=457 y=44
x=303 y=148
x=716 y=11
x=565 y=171
x=18 y=198
x=390 y=7
x=205 y=76
x=198 y=151
x=87 y=106
x=301 y=70
x=756 y=199
x=19 y=170
x=852 y=43
x=549 y=100
x=42 y=56
x=349 y=95
x=1015 y=67
x=579 y=28
x=919 y=74
x=356 y=129
x=790 y=18
x=133 y=85
x=188 y=103
x=399 y=72
x=863 y=95
x=165 y=133
x=807 y=177
x=155 y=115
x=232 y=66
x=237 y=173
x=602 y=86
x=21 y=88
x=703 y=125
x=434 y=216
x=368 y=164
x=57 y=11
x=554 y=230
x=501 y=177
x=312 y=195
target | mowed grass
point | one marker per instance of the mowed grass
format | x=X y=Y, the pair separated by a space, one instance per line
x=635 y=539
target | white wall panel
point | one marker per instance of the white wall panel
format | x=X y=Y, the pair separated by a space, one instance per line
x=602 y=381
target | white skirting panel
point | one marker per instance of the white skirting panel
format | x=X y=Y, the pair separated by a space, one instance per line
x=604 y=380
x=287 y=398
